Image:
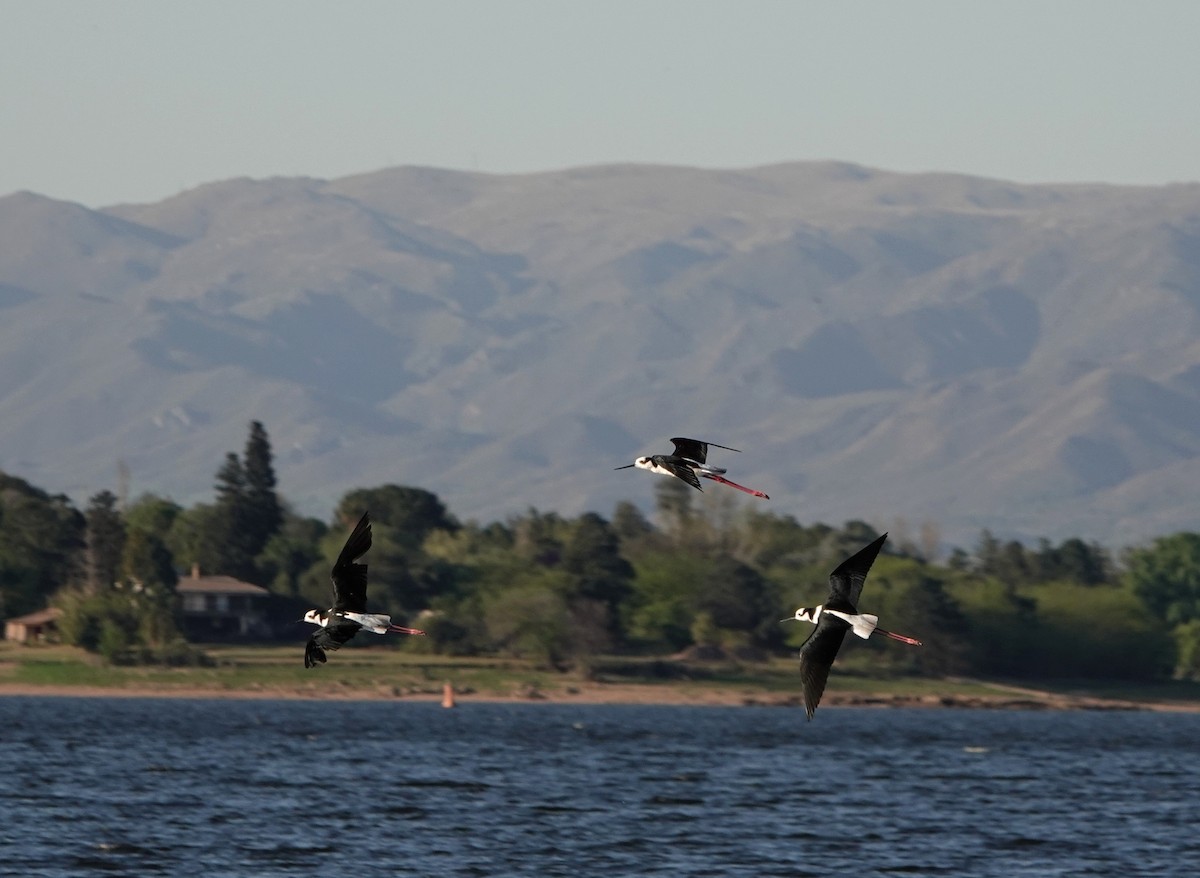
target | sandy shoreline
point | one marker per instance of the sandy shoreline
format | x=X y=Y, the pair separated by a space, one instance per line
x=608 y=693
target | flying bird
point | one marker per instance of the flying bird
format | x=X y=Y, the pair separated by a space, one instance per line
x=833 y=619
x=347 y=616
x=689 y=462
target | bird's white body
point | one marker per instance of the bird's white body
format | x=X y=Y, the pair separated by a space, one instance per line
x=376 y=623
x=862 y=624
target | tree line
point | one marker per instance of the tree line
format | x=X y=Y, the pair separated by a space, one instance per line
x=704 y=572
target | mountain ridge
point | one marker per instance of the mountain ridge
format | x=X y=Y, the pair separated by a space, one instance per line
x=932 y=347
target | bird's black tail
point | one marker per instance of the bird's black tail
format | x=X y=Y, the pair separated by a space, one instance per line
x=313 y=655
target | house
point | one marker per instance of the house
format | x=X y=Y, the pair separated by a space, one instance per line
x=34 y=627
x=221 y=607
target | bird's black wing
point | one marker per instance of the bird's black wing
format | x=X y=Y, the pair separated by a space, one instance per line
x=694 y=449
x=333 y=637
x=846 y=581
x=816 y=658
x=349 y=578
x=679 y=467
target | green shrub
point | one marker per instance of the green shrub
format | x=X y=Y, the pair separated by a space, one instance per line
x=1187 y=646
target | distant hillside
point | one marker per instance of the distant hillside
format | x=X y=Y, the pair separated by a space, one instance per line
x=934 y=347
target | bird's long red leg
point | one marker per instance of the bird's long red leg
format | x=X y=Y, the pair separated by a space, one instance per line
x=911 y=641
x=725 y=481
x=400 y=629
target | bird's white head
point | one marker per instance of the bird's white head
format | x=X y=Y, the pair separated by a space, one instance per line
x=806 y=614
x=640 y=463
x=313 y=616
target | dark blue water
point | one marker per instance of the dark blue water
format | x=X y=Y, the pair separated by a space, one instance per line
x=264 y=788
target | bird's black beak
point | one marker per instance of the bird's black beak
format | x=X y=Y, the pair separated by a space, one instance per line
x=627 y=466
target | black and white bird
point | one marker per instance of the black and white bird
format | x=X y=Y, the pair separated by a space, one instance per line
x=348 y=615
x=834 y=618
x=689 y=462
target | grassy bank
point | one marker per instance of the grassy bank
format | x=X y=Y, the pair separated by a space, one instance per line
x=277 y=671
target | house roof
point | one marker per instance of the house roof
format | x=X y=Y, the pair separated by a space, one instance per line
x=217 y=585
x=40 y=617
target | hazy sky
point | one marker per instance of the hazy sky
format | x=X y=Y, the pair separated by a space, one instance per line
x=135 y=100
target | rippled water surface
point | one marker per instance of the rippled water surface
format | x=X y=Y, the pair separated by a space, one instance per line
x=264 y=788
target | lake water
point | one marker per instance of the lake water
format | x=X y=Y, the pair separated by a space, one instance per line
x=262 y=788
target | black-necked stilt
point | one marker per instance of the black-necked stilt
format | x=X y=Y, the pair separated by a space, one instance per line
x=689 y=463
x=347 y=616
x=833 y=619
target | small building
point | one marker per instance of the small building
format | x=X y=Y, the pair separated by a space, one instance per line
x=34 y=627
x=221 y=607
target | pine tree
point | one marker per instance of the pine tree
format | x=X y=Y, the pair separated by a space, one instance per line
x=105 y=537
x=264 y=513
x=248 y=511
x=232 y=538
x=231 y=482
